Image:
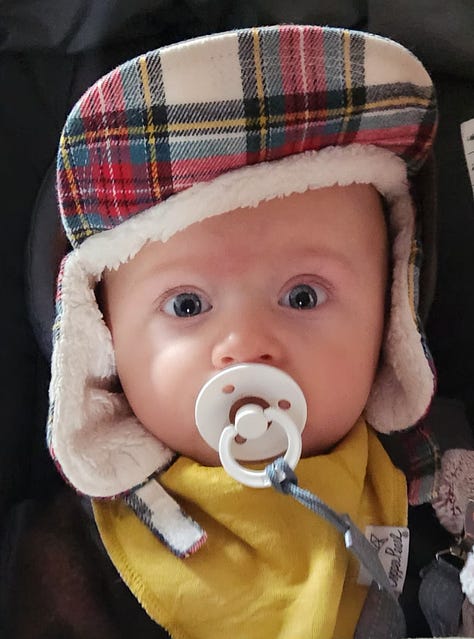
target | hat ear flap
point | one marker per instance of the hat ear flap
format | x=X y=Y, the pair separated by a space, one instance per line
x=424 y=193
x=98 y=443
x=405 y=381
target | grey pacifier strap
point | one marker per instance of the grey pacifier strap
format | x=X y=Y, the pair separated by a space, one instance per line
x=381 y=615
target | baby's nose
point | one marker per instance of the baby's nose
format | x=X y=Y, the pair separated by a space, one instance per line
x=247 y=345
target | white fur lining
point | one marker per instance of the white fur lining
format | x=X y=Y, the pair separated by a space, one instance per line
x=101 y=447
x=467 y=578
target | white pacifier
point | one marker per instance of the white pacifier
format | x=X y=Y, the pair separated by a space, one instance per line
x=251 y=412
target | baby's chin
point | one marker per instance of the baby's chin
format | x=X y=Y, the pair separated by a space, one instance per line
x=314 y=442
x=211 y=458
x=313 y=449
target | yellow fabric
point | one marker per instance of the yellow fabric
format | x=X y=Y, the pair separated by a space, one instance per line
x=271 y=569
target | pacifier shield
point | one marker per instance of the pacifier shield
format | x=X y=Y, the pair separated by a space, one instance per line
x=260 y=384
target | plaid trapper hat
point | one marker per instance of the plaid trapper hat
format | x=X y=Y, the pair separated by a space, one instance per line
x=203 y=127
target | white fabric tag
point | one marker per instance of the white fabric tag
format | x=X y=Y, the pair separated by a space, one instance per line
x=467 y=134
x=392 y=544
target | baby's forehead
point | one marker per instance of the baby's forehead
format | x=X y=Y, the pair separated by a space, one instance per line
x=333 y=223
x=311 y=216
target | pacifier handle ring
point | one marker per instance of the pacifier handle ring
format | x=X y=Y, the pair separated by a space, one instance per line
x=259 y=478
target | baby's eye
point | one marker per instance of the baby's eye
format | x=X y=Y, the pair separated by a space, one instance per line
x=304 y=297
x=186 y=305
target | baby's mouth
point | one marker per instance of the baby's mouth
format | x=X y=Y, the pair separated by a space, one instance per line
x=250 y=412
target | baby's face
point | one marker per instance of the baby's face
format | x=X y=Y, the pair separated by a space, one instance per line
x=297 y=283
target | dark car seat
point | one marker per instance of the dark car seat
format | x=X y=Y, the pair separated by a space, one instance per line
x=49 y=56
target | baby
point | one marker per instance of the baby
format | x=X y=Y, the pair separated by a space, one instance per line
x=307 y=297
x=243 y=198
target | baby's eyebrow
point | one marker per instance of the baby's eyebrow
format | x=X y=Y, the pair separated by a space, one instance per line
x=152 y=275
x=304 y=254
x=326 y=260
x=327 y=255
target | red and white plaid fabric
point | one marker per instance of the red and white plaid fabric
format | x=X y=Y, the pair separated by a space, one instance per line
x=189 y=112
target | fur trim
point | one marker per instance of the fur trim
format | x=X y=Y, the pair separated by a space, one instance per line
x=99 y=444
x=467 y=578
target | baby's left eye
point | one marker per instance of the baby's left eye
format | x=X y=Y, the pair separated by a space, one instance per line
x=304 y=297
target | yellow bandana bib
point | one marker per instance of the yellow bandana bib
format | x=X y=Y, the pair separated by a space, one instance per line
x=271 y=568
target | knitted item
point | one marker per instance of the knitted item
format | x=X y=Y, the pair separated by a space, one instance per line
x=455 y=486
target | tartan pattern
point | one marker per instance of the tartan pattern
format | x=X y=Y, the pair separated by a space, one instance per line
x=417 y=453
x=56 y=329
x=127 y=145
x=413 y=283
x=424 y=462
x=147 y=511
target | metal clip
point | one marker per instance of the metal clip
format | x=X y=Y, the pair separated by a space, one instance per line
x=457 y=553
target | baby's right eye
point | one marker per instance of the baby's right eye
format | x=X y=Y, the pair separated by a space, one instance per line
x=186 y=304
